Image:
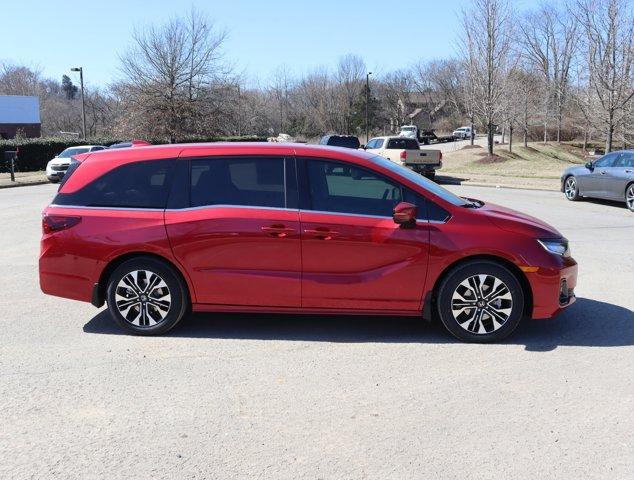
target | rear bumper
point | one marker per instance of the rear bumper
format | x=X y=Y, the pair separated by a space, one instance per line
x=422 y=167
x=553 y=289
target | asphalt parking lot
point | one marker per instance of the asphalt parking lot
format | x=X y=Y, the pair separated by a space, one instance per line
x=267 y=396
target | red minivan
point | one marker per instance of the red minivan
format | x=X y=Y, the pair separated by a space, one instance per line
x=154 y=231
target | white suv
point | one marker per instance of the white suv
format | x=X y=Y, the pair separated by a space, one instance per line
x=56 y=168
x=463 y=133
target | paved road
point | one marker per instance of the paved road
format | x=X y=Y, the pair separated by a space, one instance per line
x=245 y=396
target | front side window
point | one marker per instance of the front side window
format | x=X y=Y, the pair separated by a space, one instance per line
x=343 y=188
x=378 y=143
x=134 y=185
x=607 y=160
x=257 y=182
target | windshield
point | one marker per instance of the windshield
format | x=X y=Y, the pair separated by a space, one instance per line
x=420 y=180
x=69 y=152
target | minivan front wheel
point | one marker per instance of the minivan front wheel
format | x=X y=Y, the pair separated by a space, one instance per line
x=480 y=301
x=146 y=297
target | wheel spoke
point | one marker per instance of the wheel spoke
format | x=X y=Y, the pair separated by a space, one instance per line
x=481 y=304
x=143 y=298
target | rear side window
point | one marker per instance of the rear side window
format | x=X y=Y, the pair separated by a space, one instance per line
x=347 y=142
x=257 y=182
x=402 y=144
x=134 y=185
x=74 y=165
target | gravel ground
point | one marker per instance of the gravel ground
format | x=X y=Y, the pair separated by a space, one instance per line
x=284 y=397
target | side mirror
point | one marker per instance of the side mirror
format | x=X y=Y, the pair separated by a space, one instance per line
x=405 y=214
x=589 y=166
x=362 y=147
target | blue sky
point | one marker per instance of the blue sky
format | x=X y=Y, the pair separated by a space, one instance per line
x=54 y=35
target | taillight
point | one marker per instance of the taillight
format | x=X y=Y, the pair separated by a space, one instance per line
x=55 y=223
x=404 y=155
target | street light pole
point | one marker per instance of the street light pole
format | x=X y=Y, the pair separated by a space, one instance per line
x=83 y=104
x=367 y=102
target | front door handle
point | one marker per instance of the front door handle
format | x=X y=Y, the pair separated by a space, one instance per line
x=322 y=233
x=629 y=171
x=279 y=231
x=603 y=172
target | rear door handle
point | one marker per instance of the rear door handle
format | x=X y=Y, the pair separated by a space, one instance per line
x=603 y=172
x=322 y=233
x=629 y=171
x=279 y=231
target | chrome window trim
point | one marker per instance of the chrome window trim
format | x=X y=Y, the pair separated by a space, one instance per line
x=205 y=207
x=133 y=209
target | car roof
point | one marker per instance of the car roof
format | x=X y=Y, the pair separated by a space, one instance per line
x=83 y=146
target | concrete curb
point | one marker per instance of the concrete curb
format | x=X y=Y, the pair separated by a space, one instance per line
x=19 y=184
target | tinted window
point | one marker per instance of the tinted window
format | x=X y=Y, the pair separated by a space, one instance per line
x=344 y=141
x=378 y=143
x=625 y=160
x=134 y=185
x=418 y=179
x=402 y=144
x=238 y=181
x=371 y=143
x=338 y=187
x=607 y=160
x=427 y=210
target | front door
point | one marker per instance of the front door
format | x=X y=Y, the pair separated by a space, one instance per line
x=593 y=184
x=239 y=238
x=354 y=256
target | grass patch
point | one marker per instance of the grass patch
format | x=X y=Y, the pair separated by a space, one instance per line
x=535 y=161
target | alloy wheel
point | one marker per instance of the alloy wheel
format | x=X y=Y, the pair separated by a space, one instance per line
x=629 y=197
x=570 y=188
x=481 y=304
x=143 y=298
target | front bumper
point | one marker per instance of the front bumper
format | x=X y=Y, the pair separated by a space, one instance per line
x=553 y=288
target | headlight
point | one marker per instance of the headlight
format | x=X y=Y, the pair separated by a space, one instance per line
x=558 y=246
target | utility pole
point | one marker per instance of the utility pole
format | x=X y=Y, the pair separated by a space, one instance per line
x=83 y=104
x=367 y=103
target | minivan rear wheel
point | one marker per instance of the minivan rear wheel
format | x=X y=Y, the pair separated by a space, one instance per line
x=146 y=296
x=480 y=301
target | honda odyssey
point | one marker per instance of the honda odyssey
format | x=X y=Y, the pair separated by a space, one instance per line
x=155 y=231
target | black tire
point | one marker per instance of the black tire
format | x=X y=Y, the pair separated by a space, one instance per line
x=155 y=319
x=571 y=192
x=430 y=175
x=488 y=330
x=629 y=197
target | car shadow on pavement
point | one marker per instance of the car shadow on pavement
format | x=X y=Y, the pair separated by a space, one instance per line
x=586 y=323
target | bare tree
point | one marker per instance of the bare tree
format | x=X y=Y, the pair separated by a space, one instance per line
x=349 y=78
x=170 y=74
x=609 y=49
x=394 y=90
x=549 y=39
x=487 y=43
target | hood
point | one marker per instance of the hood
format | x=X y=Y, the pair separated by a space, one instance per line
x=514 y=221
x=576 y=170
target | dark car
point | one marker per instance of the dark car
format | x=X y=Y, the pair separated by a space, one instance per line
x=347 y=141
x=269 y=227
x=611 y=177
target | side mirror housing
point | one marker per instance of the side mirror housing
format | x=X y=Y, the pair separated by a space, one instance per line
x=589 y=166
x=405 y=214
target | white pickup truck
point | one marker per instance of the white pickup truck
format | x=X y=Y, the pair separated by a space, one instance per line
x=406 y=151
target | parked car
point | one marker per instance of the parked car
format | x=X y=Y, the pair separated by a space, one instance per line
x=611 y=177
x=463 y=133
x=292 y=228
x=347 y=141
x=56 y=168
x=424 y=137
x=406 y=151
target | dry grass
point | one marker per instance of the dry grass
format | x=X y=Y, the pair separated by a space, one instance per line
x=535 y=161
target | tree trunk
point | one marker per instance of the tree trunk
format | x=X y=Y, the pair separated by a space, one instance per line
x=503 y=134
x=526 y=136
x=585 y=139
x=545 y=133
x=490 y=137
x=608 y=140
x=510 y=138
x=472 y=135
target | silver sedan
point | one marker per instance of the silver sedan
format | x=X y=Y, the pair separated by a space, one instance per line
x=611 y=177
